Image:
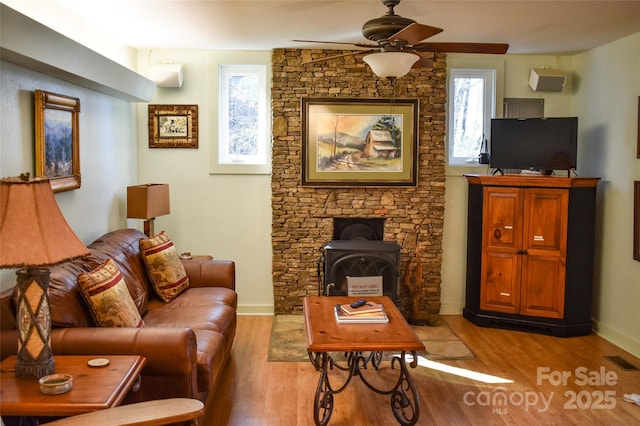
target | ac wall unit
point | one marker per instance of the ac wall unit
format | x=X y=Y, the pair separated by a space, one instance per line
x=546 y=80
x=166 y=75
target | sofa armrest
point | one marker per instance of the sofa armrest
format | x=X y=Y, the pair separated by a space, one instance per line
x=8 y=343
x=211 y=273
x=169 y=351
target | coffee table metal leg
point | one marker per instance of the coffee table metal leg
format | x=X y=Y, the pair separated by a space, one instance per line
x=405 y=403
x=323 y=404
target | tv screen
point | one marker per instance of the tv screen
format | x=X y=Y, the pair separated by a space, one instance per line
x=534 y=143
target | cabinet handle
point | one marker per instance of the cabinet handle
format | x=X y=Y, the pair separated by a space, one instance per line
x=522 y=252
x=508 y=227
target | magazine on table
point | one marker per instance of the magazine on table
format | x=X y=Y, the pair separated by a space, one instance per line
x=376 y=317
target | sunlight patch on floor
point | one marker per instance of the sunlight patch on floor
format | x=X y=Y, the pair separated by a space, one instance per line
x=462 y=372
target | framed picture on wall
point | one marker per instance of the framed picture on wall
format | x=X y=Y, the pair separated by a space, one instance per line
x=359 y=142
x=636 y=220
x=57 y=145
x=173 y=126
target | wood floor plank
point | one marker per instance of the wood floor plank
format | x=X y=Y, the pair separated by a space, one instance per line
x=255 y=392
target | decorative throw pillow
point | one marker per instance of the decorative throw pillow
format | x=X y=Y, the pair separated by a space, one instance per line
x=163 y=263
x=108 y=297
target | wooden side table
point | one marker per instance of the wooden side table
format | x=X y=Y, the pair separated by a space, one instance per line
x=197 y=257
x=94 y=388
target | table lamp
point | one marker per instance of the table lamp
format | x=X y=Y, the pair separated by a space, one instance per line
x=147 y=202
x=33 y=234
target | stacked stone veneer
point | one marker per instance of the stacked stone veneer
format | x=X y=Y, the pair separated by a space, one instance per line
x=303 y=216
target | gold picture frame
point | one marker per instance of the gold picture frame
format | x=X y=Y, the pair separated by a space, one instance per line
x=636 y=220
x=173 y=126
x=57 y=145
x=359 y=142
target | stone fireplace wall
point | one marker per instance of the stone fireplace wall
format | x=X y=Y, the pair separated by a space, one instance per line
x=303 y=216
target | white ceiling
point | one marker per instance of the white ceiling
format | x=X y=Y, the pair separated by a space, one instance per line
x=530 y=27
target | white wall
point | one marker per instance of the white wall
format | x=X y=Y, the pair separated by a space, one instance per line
x=606 y=100
x=107 y=150
x=226 y=216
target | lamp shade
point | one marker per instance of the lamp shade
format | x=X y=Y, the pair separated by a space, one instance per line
x=391 y=64
x=33 y=231
x=148 y=201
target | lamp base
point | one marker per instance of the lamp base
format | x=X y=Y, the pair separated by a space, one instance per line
x=35 y=357
x=34 y=370
x=148 y=227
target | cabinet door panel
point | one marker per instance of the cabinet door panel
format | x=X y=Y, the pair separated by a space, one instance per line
x=499 y=290
x=543 y=286
x=545 y=219
x=502 y=218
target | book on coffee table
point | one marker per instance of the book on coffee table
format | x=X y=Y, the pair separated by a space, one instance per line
x=377 y=317
x=364 y=309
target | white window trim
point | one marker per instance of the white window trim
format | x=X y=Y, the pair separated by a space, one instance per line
x=489 y=77
x=248 y=60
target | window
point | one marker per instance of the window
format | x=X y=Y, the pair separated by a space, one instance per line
x=471 y=107
x=243 y=132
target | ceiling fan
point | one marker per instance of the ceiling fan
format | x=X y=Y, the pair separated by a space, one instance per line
x=399 y=44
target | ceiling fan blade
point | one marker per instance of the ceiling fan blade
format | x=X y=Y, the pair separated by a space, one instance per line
x=366 y=45
x=326 y=58
x=414 y=33
x=454 y=47
x=423 y=62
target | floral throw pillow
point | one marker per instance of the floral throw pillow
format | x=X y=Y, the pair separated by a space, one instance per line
x=108 y=297
x=163 y=264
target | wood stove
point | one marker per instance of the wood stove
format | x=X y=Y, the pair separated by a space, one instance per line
x=361 y=254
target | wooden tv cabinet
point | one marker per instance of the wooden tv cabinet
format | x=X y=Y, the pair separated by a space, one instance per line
x=530 y=249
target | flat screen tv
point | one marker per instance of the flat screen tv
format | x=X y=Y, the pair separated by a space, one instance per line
x=534 y=143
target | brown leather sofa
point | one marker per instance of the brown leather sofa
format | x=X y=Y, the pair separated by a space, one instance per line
x=186 y=342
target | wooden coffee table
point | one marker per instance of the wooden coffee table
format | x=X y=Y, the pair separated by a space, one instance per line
x=363 y=345
x=94 y=388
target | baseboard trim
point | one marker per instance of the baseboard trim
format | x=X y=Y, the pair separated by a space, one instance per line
x=450 y=309
x=619 y=339
x=255 y=310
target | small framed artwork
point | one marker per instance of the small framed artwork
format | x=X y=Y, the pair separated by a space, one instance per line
x=636 y=220
x=173 y=126
x=359 y=142
x=638 y=127
x=57 y=146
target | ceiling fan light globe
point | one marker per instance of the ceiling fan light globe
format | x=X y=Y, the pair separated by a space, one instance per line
x=391 y=64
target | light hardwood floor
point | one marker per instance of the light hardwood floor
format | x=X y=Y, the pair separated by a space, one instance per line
x=254 y=392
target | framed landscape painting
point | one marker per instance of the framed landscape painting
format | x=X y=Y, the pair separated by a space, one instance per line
x=57 y=147
x=359 y=142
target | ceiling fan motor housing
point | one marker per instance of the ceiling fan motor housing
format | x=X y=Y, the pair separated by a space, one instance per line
x=380 y=29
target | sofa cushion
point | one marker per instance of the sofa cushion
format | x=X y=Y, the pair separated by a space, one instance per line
x=164 y=266
x=108 y=297
x=208 y=308
x=67 y=304
x=123 y=247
